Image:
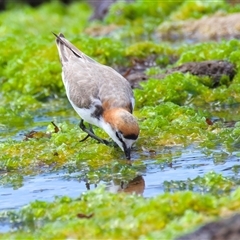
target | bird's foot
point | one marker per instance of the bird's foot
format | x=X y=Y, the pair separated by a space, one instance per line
x=85 y=138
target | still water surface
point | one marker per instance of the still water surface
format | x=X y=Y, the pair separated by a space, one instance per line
x=190 y=164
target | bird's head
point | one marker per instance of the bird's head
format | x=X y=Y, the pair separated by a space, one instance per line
x=122 y=127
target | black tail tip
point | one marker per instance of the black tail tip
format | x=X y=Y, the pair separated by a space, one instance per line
x=59 y=35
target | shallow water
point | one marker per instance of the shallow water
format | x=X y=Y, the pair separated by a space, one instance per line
x=190 y=164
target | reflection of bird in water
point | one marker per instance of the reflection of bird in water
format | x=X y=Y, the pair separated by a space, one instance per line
x=137 y=185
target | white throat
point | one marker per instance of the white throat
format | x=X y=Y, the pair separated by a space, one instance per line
x=108 y=129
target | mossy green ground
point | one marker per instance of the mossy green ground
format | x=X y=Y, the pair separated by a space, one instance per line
x=171 y=112
x=101 y=215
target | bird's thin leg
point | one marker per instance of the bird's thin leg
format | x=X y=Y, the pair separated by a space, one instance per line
x=91 y=134
x=90 y=129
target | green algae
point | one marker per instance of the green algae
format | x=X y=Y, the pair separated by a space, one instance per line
x=211 y=182
x=171 y=112
x=138 y=19
x=196 y=9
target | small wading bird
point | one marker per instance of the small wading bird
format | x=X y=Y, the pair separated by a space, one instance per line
x=100 y=96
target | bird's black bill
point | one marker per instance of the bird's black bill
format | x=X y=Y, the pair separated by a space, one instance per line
x=127 y=152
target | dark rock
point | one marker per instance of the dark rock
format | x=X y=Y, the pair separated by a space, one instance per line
x=135 y=78
x=32 y=3
x=226 y=229
x=101 y=8
x=2 y=5
x=214 y=69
